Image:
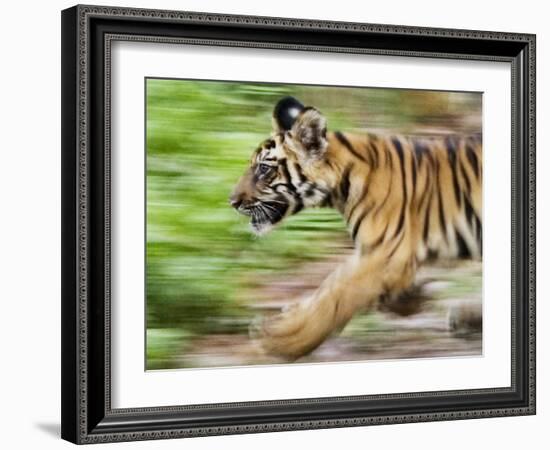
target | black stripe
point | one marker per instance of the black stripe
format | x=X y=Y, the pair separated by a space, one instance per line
x=288 y=186
x=301 y=175
x=399 y=150
x=389 y=159
x=401 y=222
x=463 y=250
x=420 y=149
x=431 y=159
x=374 y=151
x=413 y=166
x=469 y=210
x=328 y=163
x=473 y=220
x=465 y=176
x=451 y=155
x=442 y=221
x=327 y=200
x=286 y=174
x=354 y=207
x=345 y=184
x=396 y=246
x=390 y=184
x=371 y=152
x=427 y=190
x=357 y=224
x=299 y=205
x=359 y=221
x=367 y=248
x=427 y=220
x=344 y=141
x=479 y=232
x=368 y=155
x=364 y=194
x=472 y=158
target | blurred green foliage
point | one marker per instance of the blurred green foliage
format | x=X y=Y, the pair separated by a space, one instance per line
x=202 y=260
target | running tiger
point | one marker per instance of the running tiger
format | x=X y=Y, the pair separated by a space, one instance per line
x=405 y=200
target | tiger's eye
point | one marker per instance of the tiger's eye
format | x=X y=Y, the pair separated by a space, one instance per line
x=264 y=169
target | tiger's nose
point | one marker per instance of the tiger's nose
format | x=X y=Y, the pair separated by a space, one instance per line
x=236 y=200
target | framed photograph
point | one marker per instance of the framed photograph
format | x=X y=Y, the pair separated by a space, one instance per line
x=280 y=224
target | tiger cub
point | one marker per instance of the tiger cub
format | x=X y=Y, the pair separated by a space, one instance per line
x=404 y=200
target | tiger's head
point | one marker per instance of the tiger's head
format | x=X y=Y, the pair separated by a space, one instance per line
x=284 y=172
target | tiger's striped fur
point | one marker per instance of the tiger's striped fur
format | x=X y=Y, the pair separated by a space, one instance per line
x=404 y=200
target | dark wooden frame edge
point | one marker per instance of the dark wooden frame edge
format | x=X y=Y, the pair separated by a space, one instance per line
x=87 y=31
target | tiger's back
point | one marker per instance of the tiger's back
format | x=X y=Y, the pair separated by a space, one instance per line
x=404 y=200
x=427 y=191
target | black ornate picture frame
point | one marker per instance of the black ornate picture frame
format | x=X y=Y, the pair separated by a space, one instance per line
x=87 y=35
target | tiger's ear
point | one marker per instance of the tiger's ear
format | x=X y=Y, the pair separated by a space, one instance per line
x=309 y=134
x=304 y=128
x=285 y=114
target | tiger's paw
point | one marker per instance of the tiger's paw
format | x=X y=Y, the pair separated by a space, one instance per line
x=409 y=302
x=285 y=335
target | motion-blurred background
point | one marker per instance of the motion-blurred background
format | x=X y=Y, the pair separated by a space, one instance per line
x=208 y=276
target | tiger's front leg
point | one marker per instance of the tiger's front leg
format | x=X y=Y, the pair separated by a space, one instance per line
x=356 y=285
